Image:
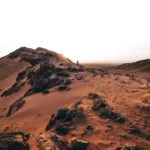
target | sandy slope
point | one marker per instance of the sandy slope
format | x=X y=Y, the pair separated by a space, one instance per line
x=124 y=97
x=131 y=98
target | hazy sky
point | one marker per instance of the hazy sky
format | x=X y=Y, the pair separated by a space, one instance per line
x=99 y=30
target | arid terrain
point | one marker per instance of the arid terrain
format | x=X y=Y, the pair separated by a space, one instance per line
x=50 y=103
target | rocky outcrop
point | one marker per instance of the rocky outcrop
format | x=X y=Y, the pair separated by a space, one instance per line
x=13 y=141
x=103 y=110
x=55 y=142
x=16 y=106
x=45 y=143
x=137 y=131
x=13 y=89
x=64 y=114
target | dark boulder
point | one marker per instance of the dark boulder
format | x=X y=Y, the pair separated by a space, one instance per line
x=98 y=104
x=62 y=87
x=93 y=95
x=77 y=144
x=63 y=81
x=63 y=74
x=70 y=115
x=89 y=128
x=21 y=76
x=59 y=82
x=46 y=91
x=52 y=122
x=59 y=141
x=62 y=129
x=61 y=113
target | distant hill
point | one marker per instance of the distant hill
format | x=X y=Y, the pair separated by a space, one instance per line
x=142 y=65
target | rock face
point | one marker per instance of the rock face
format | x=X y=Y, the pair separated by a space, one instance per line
x=13 y=141
x=103 y=110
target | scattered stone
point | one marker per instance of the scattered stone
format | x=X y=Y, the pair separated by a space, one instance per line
x=77 y=144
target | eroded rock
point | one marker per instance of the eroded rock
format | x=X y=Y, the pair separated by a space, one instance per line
x=13 y=141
